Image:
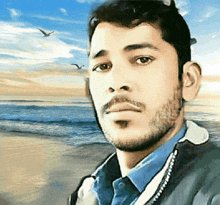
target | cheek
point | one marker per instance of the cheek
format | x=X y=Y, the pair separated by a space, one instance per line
x=97 y=91
x=157 y=88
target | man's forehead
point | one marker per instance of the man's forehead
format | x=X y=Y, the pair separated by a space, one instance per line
x=106 y=29
x=108 y=34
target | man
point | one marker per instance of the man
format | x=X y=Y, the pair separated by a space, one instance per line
x=141 y=74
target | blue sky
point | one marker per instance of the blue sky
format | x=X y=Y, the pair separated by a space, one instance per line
x=27 y=59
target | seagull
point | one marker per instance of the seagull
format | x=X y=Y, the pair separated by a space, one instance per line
x=45 y=33
x=79 y=67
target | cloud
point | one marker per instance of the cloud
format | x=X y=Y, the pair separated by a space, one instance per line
x=46 y=71
x=207 y=13
x=210 y=87
x=183 y=6
x=26 y=47
x=47 y=81
x=20 y=45
x=210 y=12
x=58 y=19
x=15 y=77
x=77 y=48
x=63 y=11
x=18 y=89
x=183 y=13
x=66 y=36
x=23 y=62
x=181 y=3
x=50 y=69
x=9 y=29
x=14 y=13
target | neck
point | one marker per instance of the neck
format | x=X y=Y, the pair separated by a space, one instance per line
x=128 y=160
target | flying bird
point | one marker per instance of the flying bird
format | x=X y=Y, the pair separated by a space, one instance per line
x=79 y=67
x=45 y=33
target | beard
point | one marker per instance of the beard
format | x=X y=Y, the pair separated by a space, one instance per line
x=160 y=124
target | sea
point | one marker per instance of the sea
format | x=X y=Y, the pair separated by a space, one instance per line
x=72 y=120
x=69 y=119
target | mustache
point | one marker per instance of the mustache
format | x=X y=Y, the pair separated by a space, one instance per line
x=122 y=99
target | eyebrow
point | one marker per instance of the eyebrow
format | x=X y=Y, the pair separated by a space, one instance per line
x=140 y=46
x=102 y=53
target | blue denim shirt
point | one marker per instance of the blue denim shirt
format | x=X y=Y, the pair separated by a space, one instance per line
x=112 y=188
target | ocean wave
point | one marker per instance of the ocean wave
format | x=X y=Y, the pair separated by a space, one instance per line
x=40 y=129
x=39 y=103
x=43 y=119
x=70 y=135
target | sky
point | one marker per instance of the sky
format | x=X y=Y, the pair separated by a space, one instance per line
x=31 y=64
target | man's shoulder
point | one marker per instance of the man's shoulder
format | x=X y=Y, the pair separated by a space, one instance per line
x=198 y=146
x=201 y=155
x=84 y=193
x=196 y=175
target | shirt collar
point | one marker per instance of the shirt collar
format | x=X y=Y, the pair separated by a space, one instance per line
x=142 y=173
x=109 y=170
x=146 y=169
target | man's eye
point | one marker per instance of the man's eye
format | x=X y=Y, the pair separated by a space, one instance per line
x=143 y=60
x=102 y=67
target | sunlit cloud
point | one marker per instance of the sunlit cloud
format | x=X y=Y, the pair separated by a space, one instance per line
x=58 y=69
x=211 y=87
x=50 y=81
x=213 y=36
x=183 y=7
x=23 y=76
x=14 y=13
x=211 y=67
x=181 y=3
x=15 y=77
x=63 y=11
x=183 y=13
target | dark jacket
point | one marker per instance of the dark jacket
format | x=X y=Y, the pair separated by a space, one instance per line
x=195 y=177
x=192 y=177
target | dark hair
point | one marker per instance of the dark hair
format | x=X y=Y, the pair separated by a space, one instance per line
x=130 y=13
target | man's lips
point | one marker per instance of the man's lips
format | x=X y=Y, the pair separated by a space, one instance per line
x=122 y=103
x=123 y=107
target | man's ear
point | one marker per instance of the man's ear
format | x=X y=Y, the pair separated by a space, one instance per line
x=191 y=80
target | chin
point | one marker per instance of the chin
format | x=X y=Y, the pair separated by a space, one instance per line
x=135 y=142
x=129 y=136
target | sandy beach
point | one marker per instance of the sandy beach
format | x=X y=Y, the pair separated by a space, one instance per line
x=38 y=170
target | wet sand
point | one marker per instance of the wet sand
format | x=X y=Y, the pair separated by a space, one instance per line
x=38 y=170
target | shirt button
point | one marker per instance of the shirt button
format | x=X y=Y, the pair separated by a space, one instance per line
x=121 y=185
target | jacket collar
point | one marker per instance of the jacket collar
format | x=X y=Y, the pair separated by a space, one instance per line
x=195 y=134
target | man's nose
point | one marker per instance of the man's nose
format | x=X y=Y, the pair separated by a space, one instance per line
x=120 y=89
x=119 y=80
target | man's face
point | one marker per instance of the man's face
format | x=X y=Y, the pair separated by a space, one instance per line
x=134 y=84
